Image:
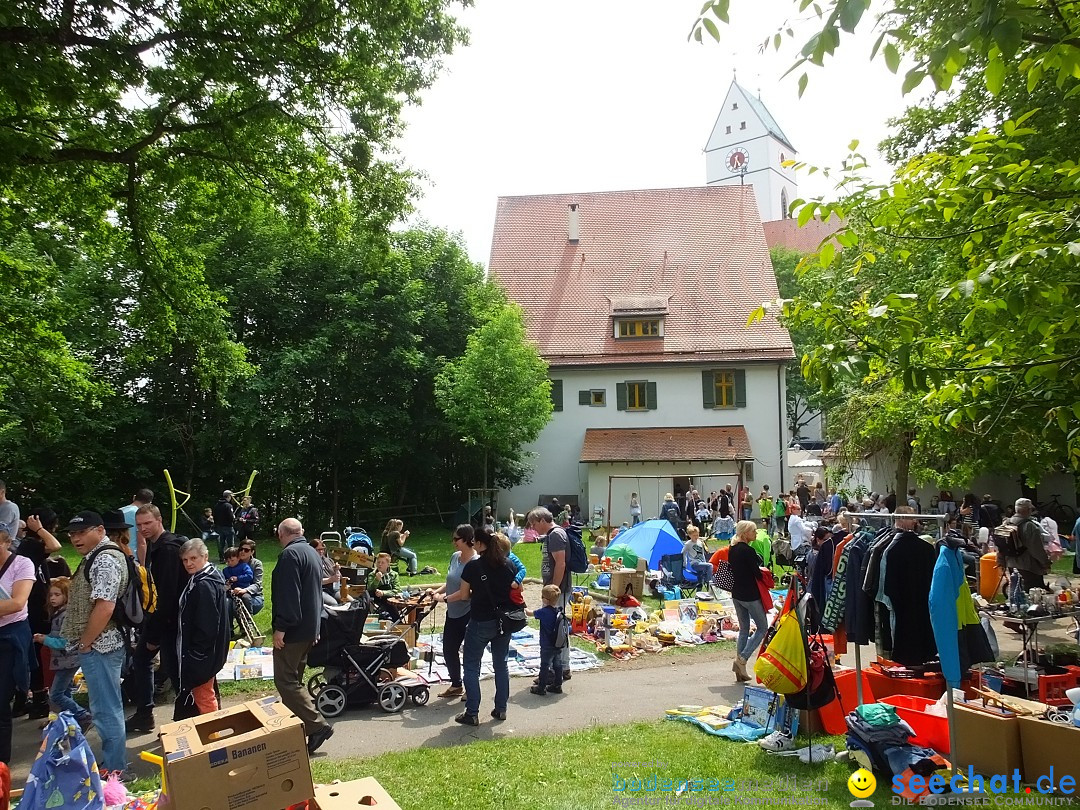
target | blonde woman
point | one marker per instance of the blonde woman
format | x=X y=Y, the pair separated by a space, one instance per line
x=745 y=573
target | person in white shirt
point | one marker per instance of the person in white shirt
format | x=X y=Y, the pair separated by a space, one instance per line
x=798 y=529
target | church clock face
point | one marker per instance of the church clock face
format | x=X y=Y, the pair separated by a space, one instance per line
x=738 y=159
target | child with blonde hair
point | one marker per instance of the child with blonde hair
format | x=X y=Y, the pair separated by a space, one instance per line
x=553 y=638
x=64 y=663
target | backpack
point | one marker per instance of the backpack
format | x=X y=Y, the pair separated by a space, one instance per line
x=577 y=559
x=139 y=596
x=561 y=631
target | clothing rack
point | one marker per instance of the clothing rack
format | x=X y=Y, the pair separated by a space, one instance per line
x=889 y=519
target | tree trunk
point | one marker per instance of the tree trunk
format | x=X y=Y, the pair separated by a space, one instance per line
x=903 y=467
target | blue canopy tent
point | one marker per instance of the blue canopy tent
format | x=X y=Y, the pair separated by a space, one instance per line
x=651 y=540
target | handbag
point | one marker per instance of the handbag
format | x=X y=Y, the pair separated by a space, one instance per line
x=510 y=619
x=628 y=599
x=820 y=685
x=722 y=577
x=65 y=773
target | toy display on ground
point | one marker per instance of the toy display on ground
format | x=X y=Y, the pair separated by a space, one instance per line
x=524 y=660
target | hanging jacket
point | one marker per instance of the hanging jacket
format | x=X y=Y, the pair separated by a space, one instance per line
x=907 y=572
x=856 y=617
x=834 y=613
x=944 y=590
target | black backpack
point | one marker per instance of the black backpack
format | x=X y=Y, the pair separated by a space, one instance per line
x=128 y=611
x=577 y=559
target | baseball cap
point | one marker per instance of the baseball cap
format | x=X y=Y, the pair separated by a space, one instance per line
x=84 y=520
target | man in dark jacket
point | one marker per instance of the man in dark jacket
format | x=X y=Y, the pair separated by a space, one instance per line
x=203 y=641
x=296 y=593
x=224 y=522
x=159 y=631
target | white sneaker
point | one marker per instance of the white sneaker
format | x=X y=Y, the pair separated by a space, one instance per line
x=777 y=741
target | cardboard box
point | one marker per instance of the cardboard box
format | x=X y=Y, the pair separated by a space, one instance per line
x=250 y=756
x=627 y=576
x=988 y=740
x=1048 y=745
x=366 y=792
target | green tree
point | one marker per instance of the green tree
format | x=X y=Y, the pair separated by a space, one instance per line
x=979 y=316
x=497 y=395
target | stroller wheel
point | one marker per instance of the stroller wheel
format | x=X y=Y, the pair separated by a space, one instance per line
x=392 y=697
x=315 y=683
x=331 y=700
x=420 y=695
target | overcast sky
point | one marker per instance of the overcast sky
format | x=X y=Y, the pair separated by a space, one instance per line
x=557 y=96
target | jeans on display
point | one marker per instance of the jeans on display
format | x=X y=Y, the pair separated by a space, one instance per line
x=477 y=637
x=102 y=672
x=747 y=611
x=453 y=635
x=60 y=694
x=409 y=556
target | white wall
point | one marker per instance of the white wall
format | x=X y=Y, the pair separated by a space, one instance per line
x=556 y=466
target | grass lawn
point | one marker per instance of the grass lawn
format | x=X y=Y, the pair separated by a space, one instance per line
x=581 y=769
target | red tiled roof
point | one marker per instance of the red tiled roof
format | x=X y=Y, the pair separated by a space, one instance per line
x=700 y=249
x=666 y=444
x=786 y=233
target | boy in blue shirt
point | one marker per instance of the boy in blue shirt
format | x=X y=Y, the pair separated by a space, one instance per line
x=237 y=574
x=553 y=638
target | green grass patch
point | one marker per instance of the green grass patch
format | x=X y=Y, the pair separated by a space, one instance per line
x=581 y=769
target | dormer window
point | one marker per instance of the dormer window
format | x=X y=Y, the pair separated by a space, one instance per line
x=638 y=316
x=735 y=105
x=742 y=125
x=638 y=327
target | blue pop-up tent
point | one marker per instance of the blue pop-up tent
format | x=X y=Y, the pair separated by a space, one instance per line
x=651 y=540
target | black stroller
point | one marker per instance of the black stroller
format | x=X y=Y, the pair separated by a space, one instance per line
x=358 y=671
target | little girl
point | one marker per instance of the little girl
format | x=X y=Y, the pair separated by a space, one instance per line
x=64 y=664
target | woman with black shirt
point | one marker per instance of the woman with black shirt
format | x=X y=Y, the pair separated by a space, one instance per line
x=745 y=572
x=485 y=580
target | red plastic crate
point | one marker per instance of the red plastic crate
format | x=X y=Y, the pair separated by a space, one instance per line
x=883 y=686
x=931 y=730
x=1052 y=688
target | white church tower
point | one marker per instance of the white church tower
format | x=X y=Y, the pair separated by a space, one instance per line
x=748 y=146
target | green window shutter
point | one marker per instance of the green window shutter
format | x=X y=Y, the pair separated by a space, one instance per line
x=556 y=394
x=650 y=395
x=740 y=388
x=620 y=396
x=708 y=390
x=584 y=398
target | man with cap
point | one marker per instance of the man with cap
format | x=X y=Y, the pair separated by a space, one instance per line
x=798 y=529
x=1032 y=562
x=95 y=587
x=224 y=522
x=160 y=629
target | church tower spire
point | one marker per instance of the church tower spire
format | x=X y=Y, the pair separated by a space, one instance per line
x=747 y=146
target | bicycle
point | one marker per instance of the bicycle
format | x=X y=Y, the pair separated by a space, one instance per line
x=1061 y=513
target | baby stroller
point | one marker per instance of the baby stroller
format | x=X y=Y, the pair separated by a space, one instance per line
x=357 y=671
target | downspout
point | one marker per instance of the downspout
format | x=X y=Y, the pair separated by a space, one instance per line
x=780 y=421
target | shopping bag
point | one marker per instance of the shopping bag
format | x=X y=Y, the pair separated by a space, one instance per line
x=781 y=667
x=65 y=773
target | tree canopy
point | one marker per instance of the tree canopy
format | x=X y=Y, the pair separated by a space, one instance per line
x=956 y=283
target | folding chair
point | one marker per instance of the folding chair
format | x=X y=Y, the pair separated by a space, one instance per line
x=673 y=576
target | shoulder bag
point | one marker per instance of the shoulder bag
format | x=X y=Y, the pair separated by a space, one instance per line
x=510 y=619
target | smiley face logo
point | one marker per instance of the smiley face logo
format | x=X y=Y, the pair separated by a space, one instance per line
x=861 y=783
